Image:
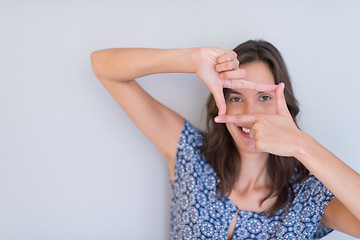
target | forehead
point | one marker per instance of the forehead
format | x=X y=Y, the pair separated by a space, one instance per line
x=258 y=72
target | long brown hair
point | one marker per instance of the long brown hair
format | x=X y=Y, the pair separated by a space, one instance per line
x=219 y=148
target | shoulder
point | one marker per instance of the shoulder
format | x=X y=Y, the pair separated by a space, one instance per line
x=190 y=162
x=190 y=136
x=305 y=213
x=311 y=187
x=312 y=194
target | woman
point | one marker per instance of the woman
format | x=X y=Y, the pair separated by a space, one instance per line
x=248 y=176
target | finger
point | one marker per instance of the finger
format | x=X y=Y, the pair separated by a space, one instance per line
x=220 y=101
x=233 y=74
x=243 y=84
x=227 y=66
x=282 y=108
x=228 y=56
x=248 y=119
x=252 y=133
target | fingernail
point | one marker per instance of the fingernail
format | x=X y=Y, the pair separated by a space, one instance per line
x=217 y=119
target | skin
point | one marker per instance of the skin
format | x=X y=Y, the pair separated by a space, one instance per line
x=271 y=132
x=253 y=181
x=278 y=134
x=244 y=101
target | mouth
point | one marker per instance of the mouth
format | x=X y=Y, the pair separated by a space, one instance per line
x=244 y=131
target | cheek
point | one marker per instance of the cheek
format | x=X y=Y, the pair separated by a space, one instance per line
x=270 y=108
x=231 y=128
x=232 y=108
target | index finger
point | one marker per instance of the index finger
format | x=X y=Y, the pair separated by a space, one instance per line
x=237 y=118
x=243 y=84
x=228 y=56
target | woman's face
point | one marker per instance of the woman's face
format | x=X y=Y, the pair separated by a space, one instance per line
x=242 y=101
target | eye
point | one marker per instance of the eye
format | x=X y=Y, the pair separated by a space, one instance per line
x=265 y=98
x=235 y=99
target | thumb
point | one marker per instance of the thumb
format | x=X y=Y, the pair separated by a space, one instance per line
x=220 y=101
x=282 y=108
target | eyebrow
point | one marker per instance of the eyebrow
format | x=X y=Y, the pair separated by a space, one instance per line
x=236 y=92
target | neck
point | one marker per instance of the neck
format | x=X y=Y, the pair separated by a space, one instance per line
x=253 y=172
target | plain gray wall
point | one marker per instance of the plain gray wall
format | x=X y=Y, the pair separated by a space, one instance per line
x=73 y=166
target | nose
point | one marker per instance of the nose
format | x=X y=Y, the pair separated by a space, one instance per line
x=252 y=107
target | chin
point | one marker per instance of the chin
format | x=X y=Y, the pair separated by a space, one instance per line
x=247 y=147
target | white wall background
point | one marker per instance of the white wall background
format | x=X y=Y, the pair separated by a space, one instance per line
x=73 y=166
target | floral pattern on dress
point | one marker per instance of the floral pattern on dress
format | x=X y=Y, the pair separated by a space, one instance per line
x=197 y=212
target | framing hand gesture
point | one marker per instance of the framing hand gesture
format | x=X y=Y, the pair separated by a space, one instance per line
x=219 y=69
x=273 y=133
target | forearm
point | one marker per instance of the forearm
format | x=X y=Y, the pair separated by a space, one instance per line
x=124 y=64
x=339 y=178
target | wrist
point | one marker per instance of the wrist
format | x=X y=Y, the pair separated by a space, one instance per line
x=180 y=60
x=304 y=141
x=194 y=56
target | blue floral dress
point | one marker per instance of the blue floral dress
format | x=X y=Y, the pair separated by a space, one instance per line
x=198 y=213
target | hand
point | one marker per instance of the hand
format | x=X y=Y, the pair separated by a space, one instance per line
x=219 y=69
x=273 y=133
x=209 y=63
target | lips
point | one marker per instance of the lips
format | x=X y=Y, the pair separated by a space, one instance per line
x=244 y=131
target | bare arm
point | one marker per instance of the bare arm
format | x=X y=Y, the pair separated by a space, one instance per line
x=343 y=212
x=117 y=69
x=126 y=64
x=338 y=217
x=278 y=134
